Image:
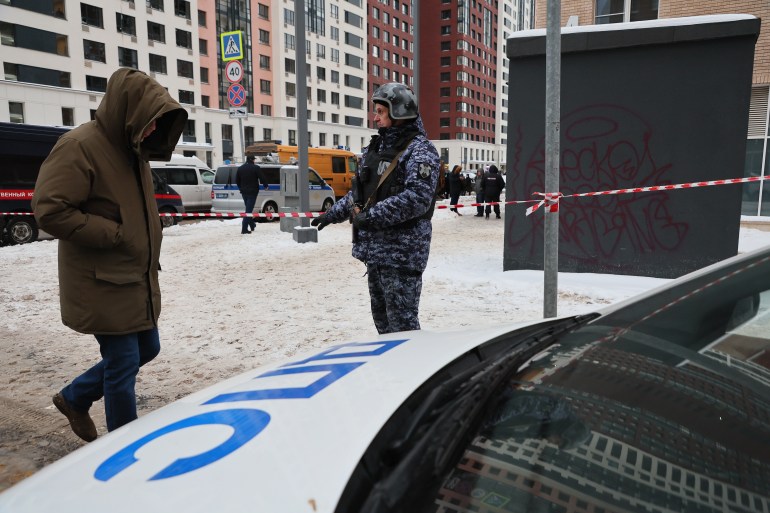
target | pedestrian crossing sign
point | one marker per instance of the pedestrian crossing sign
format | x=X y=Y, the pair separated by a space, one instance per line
x=232 y=45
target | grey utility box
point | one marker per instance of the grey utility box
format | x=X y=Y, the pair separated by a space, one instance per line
x=289 y=199
x=642 y=104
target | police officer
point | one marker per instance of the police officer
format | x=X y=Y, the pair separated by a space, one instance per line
x=390 y=206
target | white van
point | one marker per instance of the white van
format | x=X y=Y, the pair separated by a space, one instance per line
x=191 y=178
x=227 y=196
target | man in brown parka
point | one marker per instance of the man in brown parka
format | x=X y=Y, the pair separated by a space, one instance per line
x=95 y=194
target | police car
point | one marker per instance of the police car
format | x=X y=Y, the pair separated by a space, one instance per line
x=660 y=403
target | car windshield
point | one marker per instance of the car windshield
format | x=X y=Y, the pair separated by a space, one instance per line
x=660 y=406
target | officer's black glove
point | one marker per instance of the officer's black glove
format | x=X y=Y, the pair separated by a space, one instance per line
x=361 y=221
x=320 y=222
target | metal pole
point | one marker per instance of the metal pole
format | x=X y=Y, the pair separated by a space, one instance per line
x=302 y=139
x=552 y=154
x=243 y=143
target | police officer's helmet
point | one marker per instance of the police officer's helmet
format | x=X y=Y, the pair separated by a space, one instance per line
x=398 y=98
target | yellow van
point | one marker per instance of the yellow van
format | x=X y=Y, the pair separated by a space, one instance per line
x=336 y=167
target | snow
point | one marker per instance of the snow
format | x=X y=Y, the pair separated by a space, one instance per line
x=232 y=302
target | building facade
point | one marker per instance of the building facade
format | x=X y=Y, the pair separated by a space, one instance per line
x=756 y=200
x=57 y=56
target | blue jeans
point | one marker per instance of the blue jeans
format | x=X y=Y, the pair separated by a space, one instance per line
x=249 y=200
x=114 y=377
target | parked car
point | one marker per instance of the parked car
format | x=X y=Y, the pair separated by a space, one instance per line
x=227 y=197
x=660 y=403
x=190 y=177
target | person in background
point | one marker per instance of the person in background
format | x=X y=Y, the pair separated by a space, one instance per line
x=390 y=206
x=95 y=194
x=247 y=178
x=479 y=187
x=493 y=186
x=456 y=183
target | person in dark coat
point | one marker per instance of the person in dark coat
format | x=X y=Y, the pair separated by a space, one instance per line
x=493 y=186
x=456 y=183
x=95 y=194
x=479 y=186
x=247 y=178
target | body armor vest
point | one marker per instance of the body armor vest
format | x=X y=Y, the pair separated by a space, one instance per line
x=374 y=166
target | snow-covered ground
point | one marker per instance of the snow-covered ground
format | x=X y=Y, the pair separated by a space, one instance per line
x=232 y=302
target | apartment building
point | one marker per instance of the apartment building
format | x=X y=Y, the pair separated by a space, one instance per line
x=463 y=76
x=58 y=54
x=756 y=200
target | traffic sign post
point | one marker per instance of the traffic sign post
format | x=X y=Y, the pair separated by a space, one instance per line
x=234 y=71
x=236 y=95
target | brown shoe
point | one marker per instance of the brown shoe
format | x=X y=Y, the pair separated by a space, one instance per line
x=81 y=423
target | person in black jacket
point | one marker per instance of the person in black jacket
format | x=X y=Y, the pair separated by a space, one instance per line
x=247 y=179
x=456 y=184
x=493 y=186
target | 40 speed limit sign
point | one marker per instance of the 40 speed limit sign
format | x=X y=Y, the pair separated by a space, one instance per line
x=234 y=71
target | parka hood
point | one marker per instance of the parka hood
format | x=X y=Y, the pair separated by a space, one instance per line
x=132 y=101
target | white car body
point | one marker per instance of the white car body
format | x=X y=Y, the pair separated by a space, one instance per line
x=320 y=438
x=190 y=177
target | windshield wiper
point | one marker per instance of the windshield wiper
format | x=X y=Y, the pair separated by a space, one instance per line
x=442 y=424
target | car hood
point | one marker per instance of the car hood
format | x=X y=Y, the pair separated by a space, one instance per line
x=283 y=437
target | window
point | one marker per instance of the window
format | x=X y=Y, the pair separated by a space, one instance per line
x=16 y=111
x=354 y=102
x=263 y=11
x=186 y=97
x=335 y=33
x=320 y=51
x=291 y=112
x=320 y=96
x=264 y=86
x=320 y=73
x=227 y=132
x=353 y=81
x=188 y=134
x=264 y=37
x=266 y=110
x=184 y=68
x=354 y=61
x=288 y=41
x=182 y=8
x=322 y=137
x=205 y=101
x=91 y=15
x=184 y=39
x=35 y=75
x=128 y=57
x=353 y=19
x=204 y=75
x=292 y=137
x=158 y=64
x=156 y=32
x=290 y=65
x=291 y=89
x=336 y=120
x=335 y=55
x=94 y=51
x=49 y=8
x=21 y=36
x=98 y=84
x=125 y=24
x=446 y=30
x=67 y=116
x=334 y=12
x=335 y=77
x=248 y=135
x=619 y=11
x=156 y=4
x=335 y=98
x=264 y=62
x=322 y=118
x=353 y=40
x=203 y=47
x=201 y=18
x=288 y=17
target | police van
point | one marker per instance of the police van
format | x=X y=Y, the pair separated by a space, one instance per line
x=227 y=197
x=23 y=148
x=190 y=177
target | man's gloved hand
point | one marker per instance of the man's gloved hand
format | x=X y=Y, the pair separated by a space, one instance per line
x=361 y=221
x=320 y=222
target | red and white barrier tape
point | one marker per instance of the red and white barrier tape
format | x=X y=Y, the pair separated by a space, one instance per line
x=550 y=200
